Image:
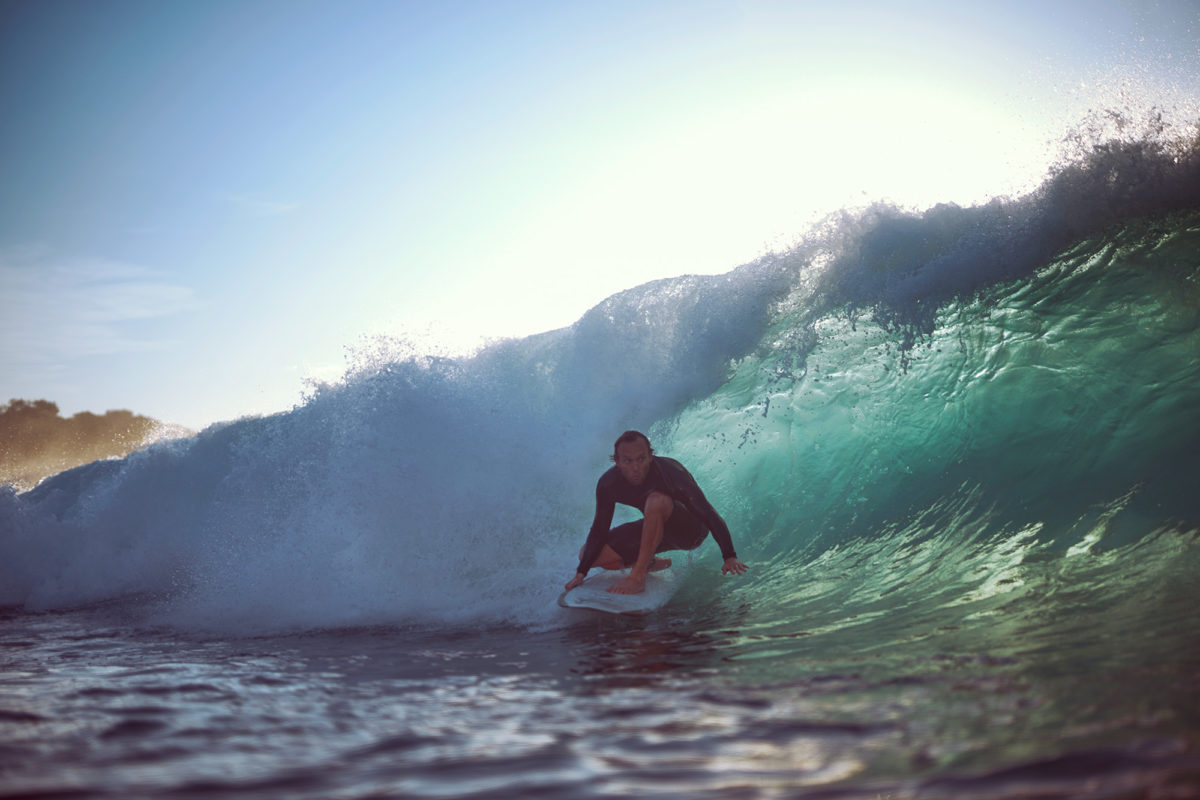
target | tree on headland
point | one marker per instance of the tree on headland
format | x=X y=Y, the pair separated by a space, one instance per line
x=36 y=442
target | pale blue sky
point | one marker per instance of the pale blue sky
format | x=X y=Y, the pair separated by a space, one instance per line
x=204 y=203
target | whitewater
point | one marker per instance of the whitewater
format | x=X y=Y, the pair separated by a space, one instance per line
x=957 y=447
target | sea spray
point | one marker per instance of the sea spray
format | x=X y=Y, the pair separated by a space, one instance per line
x=438 y=490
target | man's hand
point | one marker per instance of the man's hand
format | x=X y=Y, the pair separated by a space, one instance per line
x=734 y=566
x=576 y=581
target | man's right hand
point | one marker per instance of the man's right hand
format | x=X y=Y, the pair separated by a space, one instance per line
x=576 y=581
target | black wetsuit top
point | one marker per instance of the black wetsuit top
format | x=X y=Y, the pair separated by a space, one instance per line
x=666 y=475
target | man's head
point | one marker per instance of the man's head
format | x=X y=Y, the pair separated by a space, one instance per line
x=632 y=453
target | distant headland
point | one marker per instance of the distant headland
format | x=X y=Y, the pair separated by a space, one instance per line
x=36 y=442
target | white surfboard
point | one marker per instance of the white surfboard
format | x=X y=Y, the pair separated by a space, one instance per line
x=593 y=593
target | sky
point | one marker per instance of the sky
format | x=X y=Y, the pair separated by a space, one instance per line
x=206 y=206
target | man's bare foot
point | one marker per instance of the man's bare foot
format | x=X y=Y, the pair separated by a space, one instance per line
x=659 y=564
x=630 y=584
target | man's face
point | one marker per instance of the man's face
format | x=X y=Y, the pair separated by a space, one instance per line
x=633 y=460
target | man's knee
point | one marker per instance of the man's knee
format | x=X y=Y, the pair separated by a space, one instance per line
x=659 y=505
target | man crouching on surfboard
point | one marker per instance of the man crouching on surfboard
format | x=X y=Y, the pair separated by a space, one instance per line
x=676 y=516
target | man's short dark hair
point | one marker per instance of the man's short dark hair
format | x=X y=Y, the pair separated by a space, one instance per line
x=629 y=437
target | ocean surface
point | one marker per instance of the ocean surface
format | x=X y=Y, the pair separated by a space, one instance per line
x=959 y=449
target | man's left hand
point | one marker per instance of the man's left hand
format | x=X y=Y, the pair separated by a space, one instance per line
x=734 y=566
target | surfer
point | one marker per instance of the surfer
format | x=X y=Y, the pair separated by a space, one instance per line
x=676 y=516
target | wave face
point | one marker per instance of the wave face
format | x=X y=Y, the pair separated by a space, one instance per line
x=904 y=409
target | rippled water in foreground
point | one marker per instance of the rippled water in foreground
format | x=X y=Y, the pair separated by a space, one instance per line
x=694 y=701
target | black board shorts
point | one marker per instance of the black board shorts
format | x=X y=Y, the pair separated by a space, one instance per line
x=682 y=532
